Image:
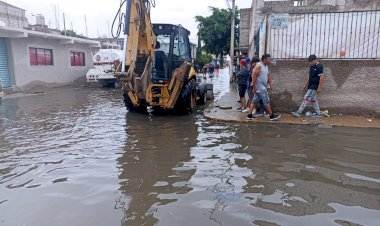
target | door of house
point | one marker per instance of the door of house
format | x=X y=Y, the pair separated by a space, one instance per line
x=4 y=73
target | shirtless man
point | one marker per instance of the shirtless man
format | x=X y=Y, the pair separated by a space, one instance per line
x=261 y=80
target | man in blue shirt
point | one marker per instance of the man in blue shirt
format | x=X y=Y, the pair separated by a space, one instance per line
x=314 y=86
x=253 y=63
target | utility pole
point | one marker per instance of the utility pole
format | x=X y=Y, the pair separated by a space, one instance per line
x=232 y=44
x=64 y=23
x=56 y=16
x=85 y=23
x=108 y=29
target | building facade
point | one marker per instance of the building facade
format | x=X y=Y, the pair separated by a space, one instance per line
x=245 y=24
x=110 y=43
x=345 y=34
x=261 y=8
x=29 y=59
x=12 y=16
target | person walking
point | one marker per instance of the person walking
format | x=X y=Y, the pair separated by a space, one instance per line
x=260 y=107
x=234 y=70
x=314 y=86
x=211 y=70
x=261 y=80
x=248 y=63
x=204 y=71
x=241 y=80
x=253 y=64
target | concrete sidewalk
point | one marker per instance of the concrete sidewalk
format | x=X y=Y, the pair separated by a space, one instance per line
x=230 y=98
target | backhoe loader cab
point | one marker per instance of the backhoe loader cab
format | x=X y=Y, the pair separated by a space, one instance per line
x=172 y=50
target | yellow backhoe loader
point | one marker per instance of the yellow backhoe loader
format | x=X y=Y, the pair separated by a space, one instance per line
x=156 y=70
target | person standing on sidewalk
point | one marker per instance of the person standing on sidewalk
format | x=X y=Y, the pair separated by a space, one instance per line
x=241 y=80
x=261 y=80
x=314 y=86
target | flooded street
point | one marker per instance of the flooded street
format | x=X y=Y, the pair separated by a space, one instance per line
x=76 y=157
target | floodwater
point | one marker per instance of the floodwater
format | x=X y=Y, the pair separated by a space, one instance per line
x=76 y=157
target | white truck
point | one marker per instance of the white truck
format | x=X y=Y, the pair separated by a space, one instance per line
x=104 y=67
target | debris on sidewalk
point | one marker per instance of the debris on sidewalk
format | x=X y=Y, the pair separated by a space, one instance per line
x=325 y=113
x=225 y=107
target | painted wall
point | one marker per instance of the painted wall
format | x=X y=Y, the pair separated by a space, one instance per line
x=26 y=76
x=351 y=87
x=245 y=24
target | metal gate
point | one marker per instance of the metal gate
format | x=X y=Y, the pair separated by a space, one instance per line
x=330 y=35
x=4 y=73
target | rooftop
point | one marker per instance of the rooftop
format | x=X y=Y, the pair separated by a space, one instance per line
x=10 y=32
x=9 y=5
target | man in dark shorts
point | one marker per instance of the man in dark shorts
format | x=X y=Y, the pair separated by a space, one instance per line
x=241 y=80
x=261 y=80
x=253 y=62
x=314 y=87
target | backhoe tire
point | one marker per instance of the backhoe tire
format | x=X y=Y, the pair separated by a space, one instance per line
x=131 y=108
x=187 y=100
x=202 y=94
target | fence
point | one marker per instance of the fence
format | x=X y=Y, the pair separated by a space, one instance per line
x=348 y=35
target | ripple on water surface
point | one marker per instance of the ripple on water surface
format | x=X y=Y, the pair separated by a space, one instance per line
x=77 y=158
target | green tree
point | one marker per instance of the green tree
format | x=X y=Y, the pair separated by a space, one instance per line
x=214 y=31
x=72 y=33
x=203 y=59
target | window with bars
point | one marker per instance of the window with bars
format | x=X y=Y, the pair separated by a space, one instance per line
x=40 y=56
x=77 y=59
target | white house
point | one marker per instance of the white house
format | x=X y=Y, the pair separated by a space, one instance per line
x=30 y=58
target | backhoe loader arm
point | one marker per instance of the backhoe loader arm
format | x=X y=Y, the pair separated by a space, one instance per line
x=139 y=52
x=141 y=39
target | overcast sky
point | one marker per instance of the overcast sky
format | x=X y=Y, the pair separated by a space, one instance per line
x=100 y=13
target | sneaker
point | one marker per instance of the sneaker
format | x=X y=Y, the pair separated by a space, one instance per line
x=258 y=115
x=296 y=114
x=251 y=117
x=245 y=110
x=274 y=117
x=315 y=115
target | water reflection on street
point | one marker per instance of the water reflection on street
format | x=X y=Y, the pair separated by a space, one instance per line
x=76 y=157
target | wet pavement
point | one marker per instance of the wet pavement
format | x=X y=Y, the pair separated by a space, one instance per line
x=76 y=157
x=229 y=99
